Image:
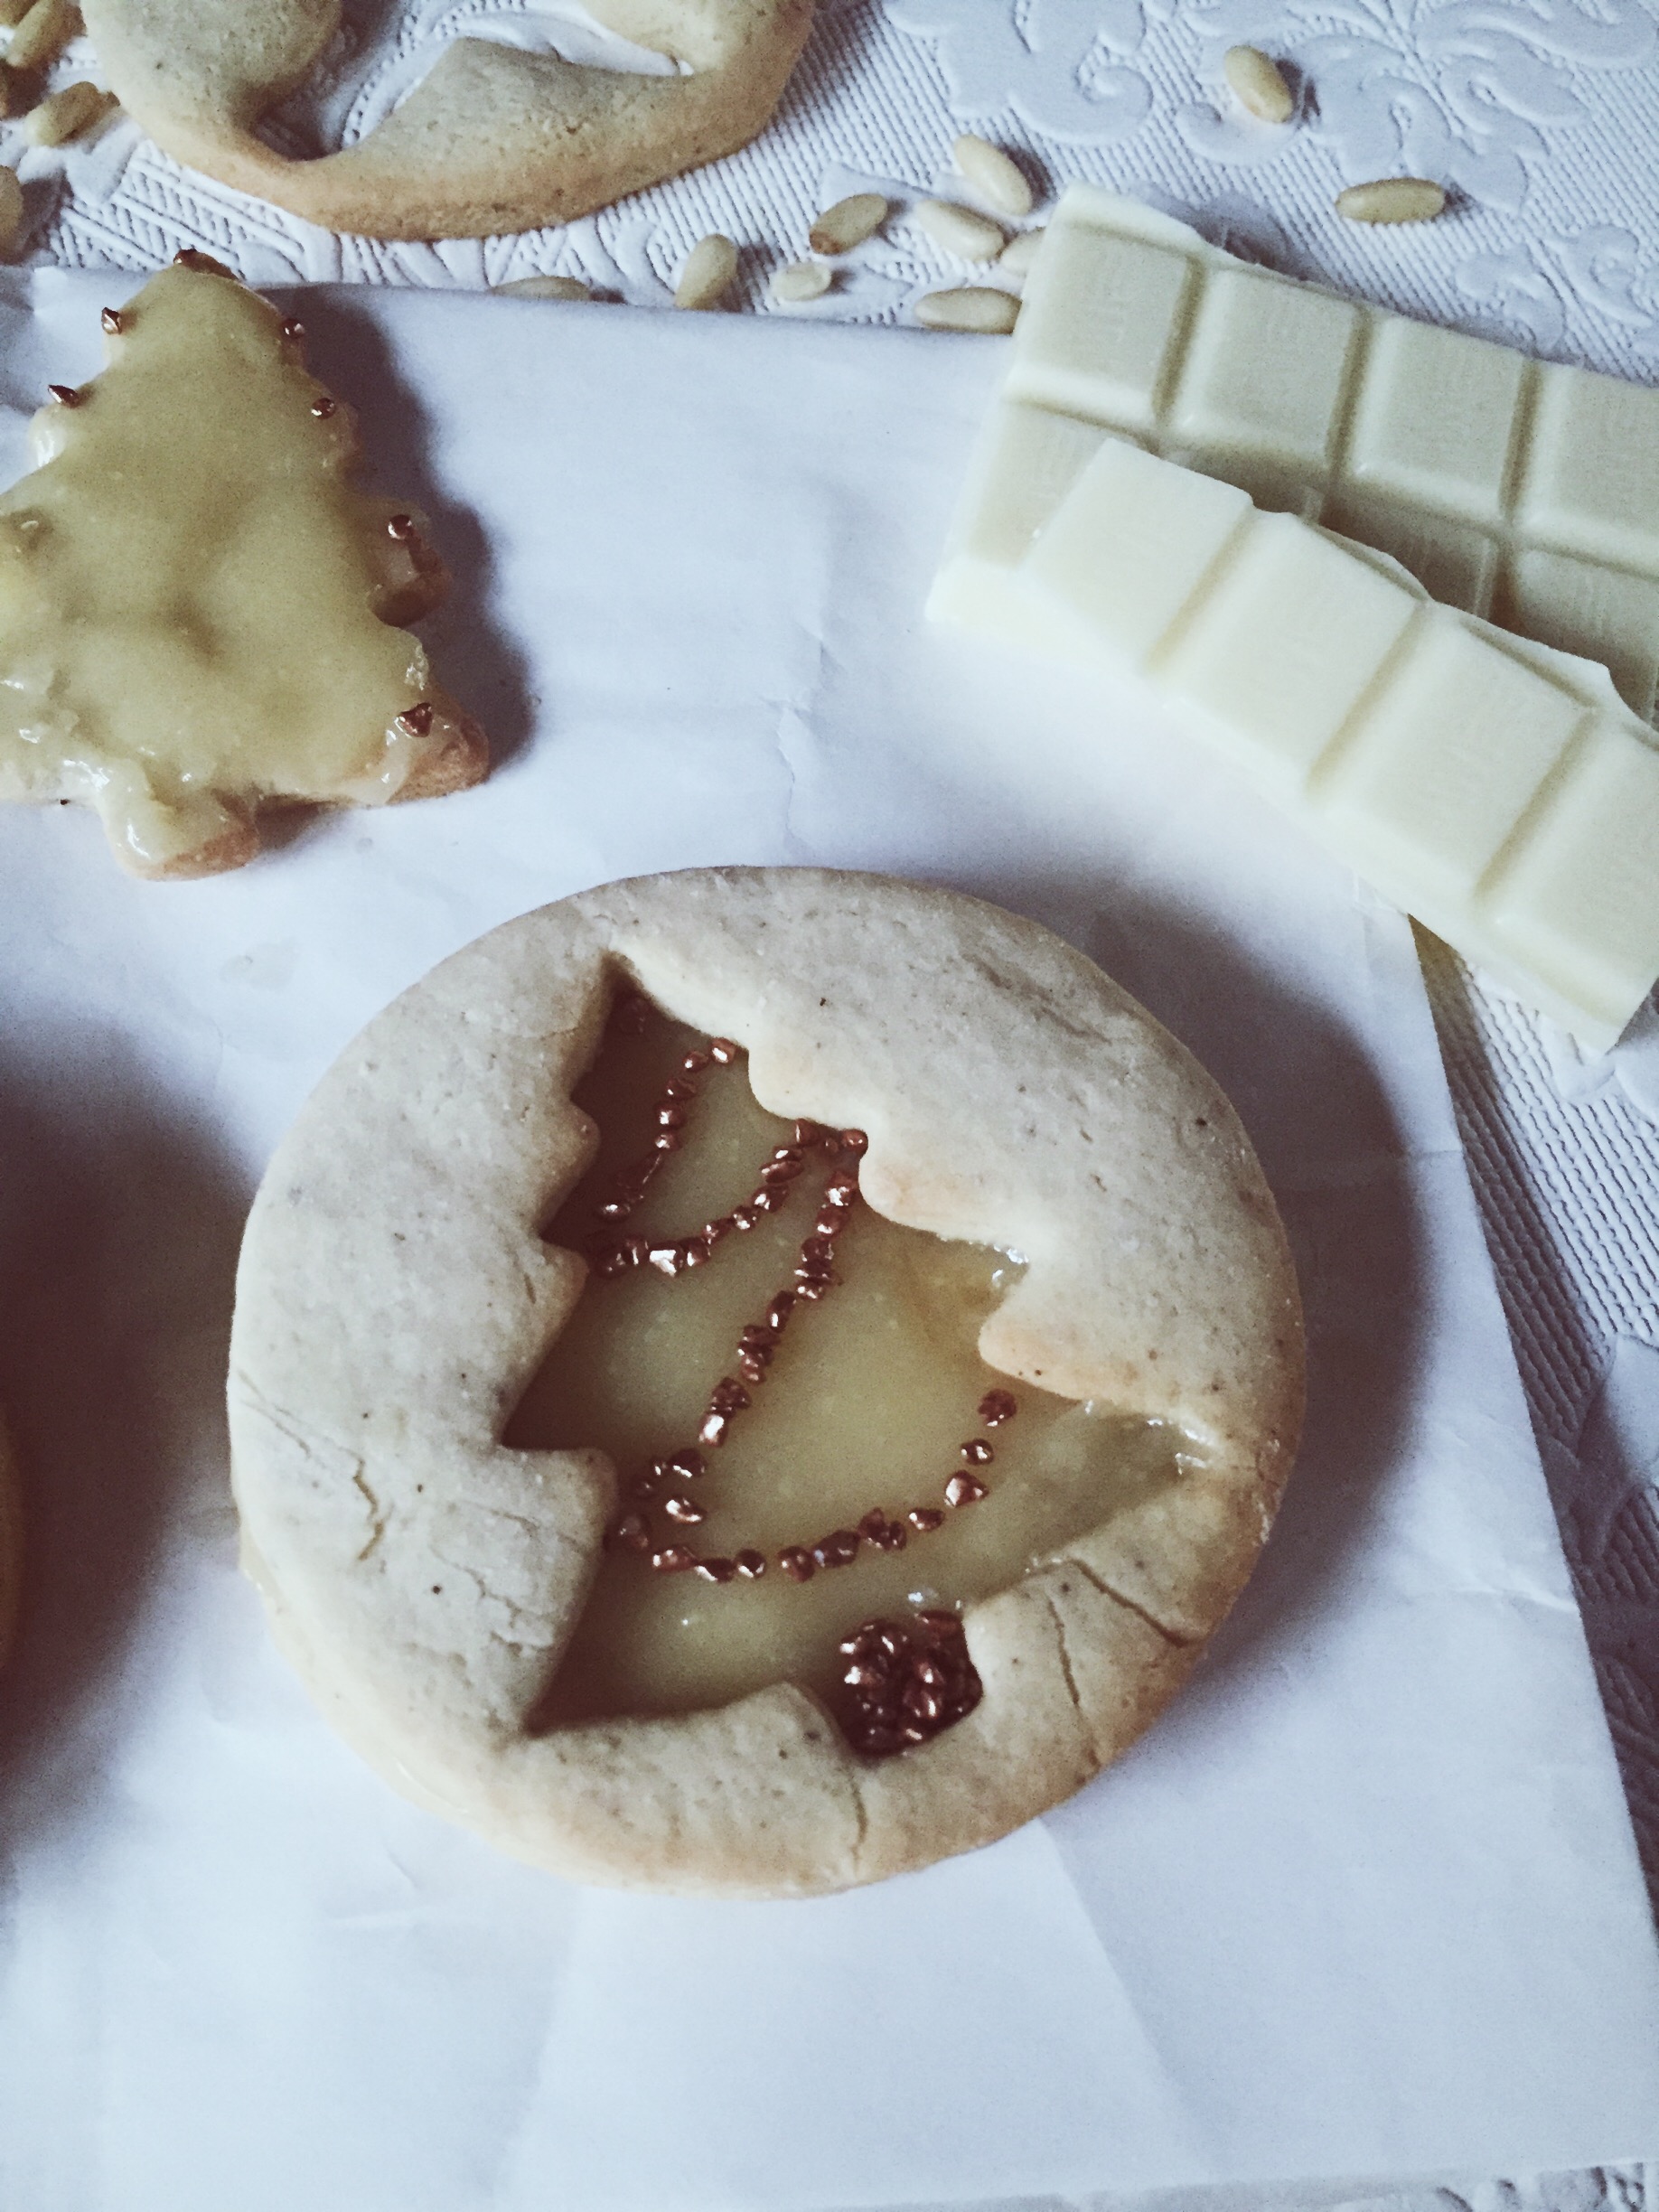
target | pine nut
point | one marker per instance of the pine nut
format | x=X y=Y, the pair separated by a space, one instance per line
x=11 y=211
x=709 y=268
x=959 y=231
x=988 y=169
x=1391 y=200
x=43 y=34
x=801 y=280
x=848 y=223
x=545 y=287
x=65 y=115
x=1258 y=84
x=1016 y=257
x=971 y=308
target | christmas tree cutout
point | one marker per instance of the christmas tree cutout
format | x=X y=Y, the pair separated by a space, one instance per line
x=198 y=607
x=816 y=1469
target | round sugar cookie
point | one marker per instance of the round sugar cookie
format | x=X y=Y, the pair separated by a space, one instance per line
x=495 y=138
x=960 y=1082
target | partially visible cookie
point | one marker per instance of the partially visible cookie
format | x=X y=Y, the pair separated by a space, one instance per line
x=10 y=1541
x=399 y=1288
x=199 y=609
x=494 y=139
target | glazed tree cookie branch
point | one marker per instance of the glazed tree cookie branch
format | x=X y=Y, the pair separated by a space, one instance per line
x=396 y=1296
x=493 y=139
x=199 y=609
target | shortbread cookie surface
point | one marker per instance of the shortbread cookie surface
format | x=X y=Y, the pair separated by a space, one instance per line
x=397 y=1295
x=494 y=139
x=199 y=607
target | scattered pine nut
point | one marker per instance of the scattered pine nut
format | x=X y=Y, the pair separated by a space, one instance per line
x=65 y=115
x=709 y=268
x=1017 y=256
x=801 y=280
x=959 y=231
x=11 y=211
x=1392 y=200
x=970 y=307
x=989 y=171
x=848 y=223
x=43 y=34
x=1258 y=84
x=545 y=287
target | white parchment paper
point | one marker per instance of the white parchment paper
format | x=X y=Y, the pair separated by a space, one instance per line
x=1365 y=1902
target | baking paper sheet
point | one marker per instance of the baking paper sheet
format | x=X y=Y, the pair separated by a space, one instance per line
x=1365 y=1903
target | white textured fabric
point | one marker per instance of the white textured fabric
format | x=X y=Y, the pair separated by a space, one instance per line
x=1542 y=117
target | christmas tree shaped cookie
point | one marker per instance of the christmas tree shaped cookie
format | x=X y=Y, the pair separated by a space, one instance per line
x=198 y=607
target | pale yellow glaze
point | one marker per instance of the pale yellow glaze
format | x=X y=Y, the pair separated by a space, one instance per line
x=870 y=1397
x=194 y=600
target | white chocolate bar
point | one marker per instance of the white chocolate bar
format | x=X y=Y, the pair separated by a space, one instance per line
x=1511 y=489
x=1499 y=790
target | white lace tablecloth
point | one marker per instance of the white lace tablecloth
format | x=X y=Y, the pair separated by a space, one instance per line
x=1542 y=117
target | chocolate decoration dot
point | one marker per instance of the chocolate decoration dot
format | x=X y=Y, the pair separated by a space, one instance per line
x=964 y=1490
x=939 y=1623
x=63 y=395
x=417 y=720
x=713 y=1428
x=854 y=1141
x=324 y=407
x=203 y=263
x=293 y=330
x=839 y=1549
x=666 y=1140
x=797 y=1563
x=751 y=1565
x=674 y=1560
x=717 y=1569
x=924 y=1519
x=998 y=1406
x=686 y=1464
x=977 y=1452
x=111 y=321
x=631 y=1532
x=684 y=1509
x=694 y=1062
x=723 y=1051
